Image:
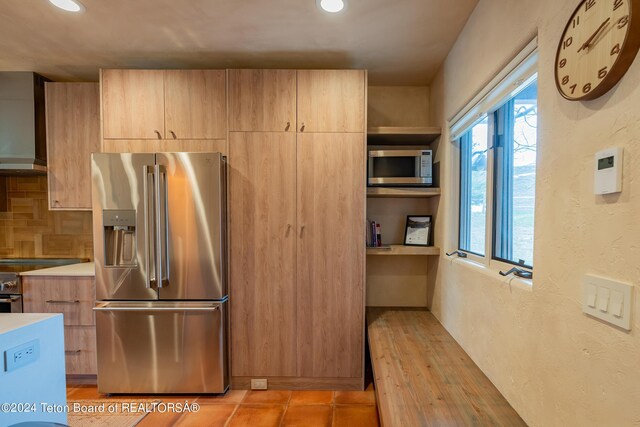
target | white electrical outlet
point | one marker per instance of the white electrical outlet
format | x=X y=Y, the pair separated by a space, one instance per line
x=21 y=355
x=258 y=384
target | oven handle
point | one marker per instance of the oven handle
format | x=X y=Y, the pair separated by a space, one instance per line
x=10 y=299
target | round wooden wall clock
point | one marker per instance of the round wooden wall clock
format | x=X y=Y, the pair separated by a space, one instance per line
x=597 y=47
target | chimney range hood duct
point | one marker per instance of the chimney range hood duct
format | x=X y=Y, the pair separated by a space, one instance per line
x=22 y=124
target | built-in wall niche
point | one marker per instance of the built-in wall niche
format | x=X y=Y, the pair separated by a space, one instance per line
x=392 y=216
x=397 y=281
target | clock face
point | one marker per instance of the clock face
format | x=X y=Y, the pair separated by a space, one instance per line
x=597 y=47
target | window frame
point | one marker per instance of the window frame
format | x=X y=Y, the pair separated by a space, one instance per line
x=520 y=75
x=495 y=146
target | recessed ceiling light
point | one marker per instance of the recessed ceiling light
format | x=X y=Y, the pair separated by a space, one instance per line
x=332 y=6
x=68 y=5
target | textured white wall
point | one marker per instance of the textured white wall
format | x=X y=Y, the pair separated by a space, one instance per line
x=556 y=366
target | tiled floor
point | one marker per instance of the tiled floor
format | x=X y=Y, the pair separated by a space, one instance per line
x=258 y=408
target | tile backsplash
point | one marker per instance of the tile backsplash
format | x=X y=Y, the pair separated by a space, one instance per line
x=28 y=229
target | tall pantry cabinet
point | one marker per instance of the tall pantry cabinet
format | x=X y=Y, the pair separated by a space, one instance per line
x=296 y=213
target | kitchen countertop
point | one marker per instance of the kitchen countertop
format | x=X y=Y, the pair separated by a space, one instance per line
x=12 y=321
x=81 y=269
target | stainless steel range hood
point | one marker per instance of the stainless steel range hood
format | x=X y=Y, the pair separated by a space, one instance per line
x=22 y=124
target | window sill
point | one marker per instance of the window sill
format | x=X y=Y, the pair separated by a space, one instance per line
x=492 y=273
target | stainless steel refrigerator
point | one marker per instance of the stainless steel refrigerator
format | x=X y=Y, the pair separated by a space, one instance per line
x=160 y=250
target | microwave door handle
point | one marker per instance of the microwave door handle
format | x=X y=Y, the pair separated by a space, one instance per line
x=149 y=247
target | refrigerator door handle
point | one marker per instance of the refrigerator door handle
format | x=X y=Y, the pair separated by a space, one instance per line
x=160 y=213
x=164 y=199
x=204 y=307
x=148 y=230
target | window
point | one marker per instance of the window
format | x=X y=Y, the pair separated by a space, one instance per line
x=496 y=133
x=515 y=177
x=473 y=188
x=497 y=179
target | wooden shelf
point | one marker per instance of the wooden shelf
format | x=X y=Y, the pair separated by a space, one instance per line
x=405 y=250
x=402 y=192
x=402 y=135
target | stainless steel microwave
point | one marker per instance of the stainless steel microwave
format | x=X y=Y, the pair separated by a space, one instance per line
x=400 y=168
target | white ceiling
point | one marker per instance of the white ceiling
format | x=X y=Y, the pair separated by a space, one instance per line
x=400 y=42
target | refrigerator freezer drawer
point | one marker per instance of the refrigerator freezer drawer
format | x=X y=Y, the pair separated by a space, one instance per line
x=162 y=347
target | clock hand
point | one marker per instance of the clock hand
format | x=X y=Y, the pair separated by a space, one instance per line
x=593 y=36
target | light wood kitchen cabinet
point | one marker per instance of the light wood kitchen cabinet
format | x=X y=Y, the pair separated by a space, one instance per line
x=80 y=350
x=331 y=254
x=262 y=100
x=164 y=146
x=297 y=228
x=73 y=133
x=195 y=104
x=132 y=104
x=262 y=217
x=73 y=297
x=331 y=101
x=164 y=104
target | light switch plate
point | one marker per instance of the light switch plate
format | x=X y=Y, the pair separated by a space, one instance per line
x=612 y=300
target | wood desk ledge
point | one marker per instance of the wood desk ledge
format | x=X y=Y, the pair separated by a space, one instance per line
x=404 y=250
x=424 y=378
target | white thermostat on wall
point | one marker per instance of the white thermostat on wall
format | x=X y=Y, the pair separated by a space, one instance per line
x=608 y=172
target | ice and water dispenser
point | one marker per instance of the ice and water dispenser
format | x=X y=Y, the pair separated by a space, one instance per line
x=119 y=238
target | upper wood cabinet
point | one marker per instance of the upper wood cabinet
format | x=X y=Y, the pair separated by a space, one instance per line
x=304 y=100
x=331 y=101
x=195 y=104
x=73 y=133
x=133 y=104
x=157 y=104
x=331 y=254
x=262 y=100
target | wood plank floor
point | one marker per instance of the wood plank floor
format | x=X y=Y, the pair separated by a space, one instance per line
x=424 y=378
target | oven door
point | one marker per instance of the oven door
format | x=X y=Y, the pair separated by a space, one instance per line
x=10 y=303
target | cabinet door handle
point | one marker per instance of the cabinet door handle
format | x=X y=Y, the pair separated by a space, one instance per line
x=302 y=230
x=58 y=301
x=288 y=126
x=173 y=134
x=70 y=352
x=302 y=127
x=158 y=133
